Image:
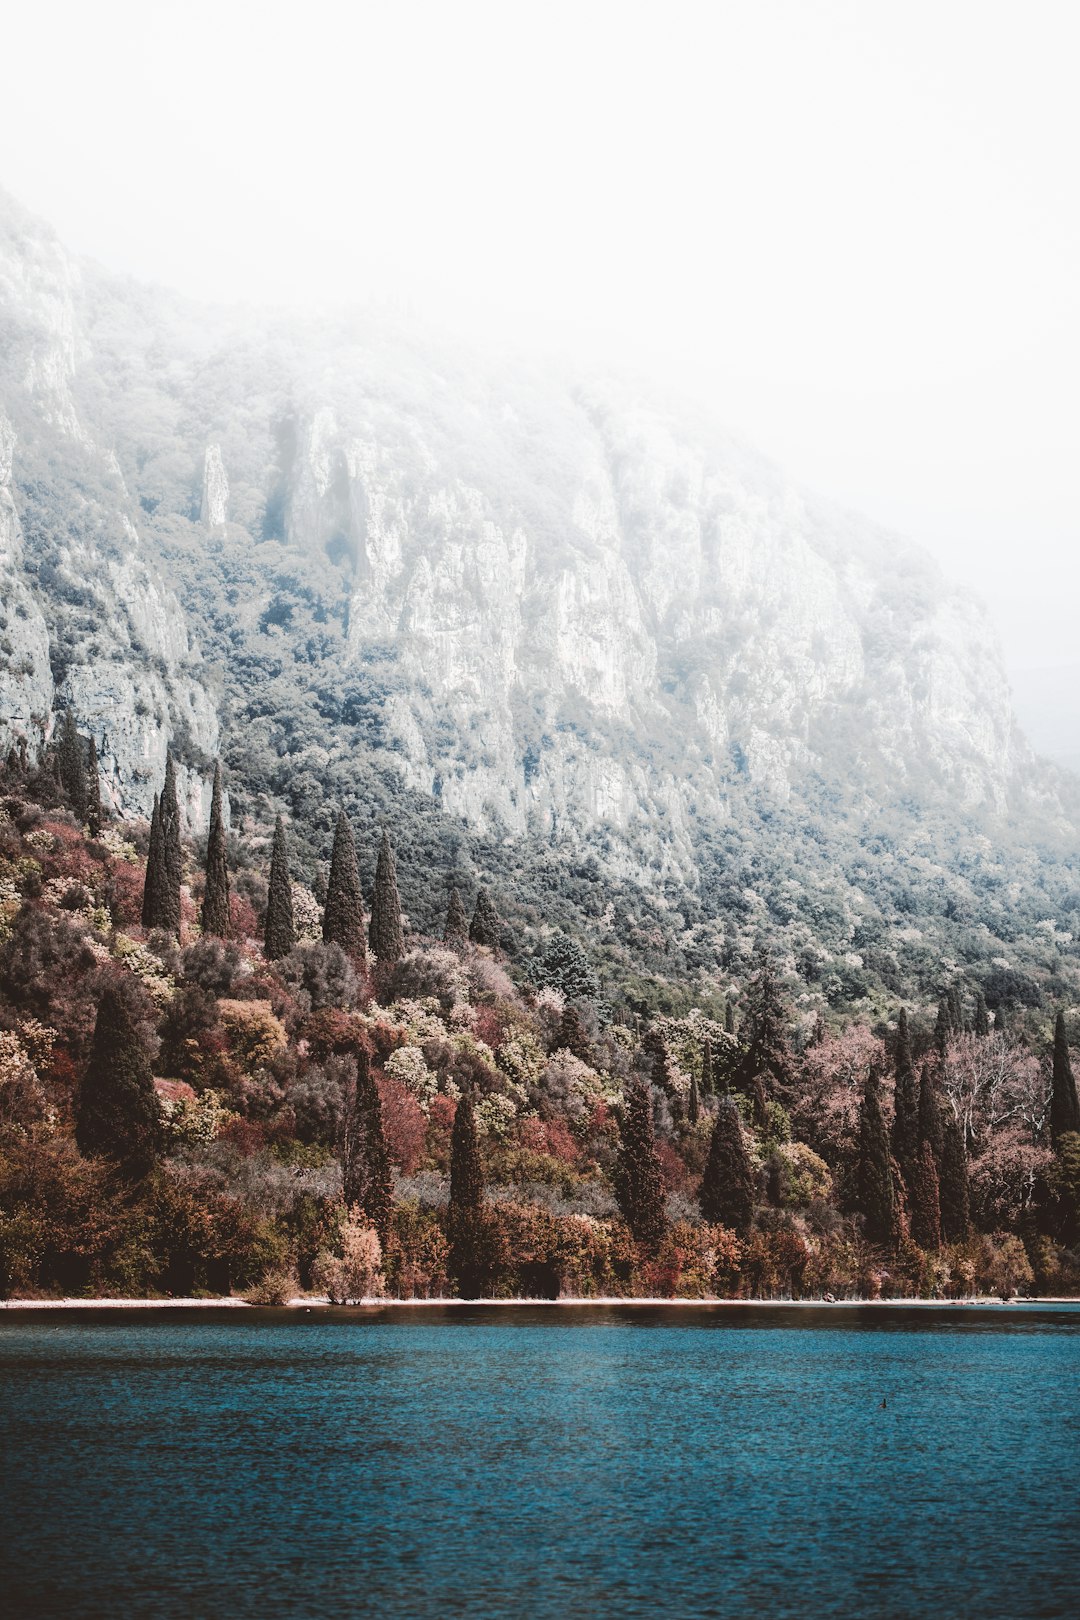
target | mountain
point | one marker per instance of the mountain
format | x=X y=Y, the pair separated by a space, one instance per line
x=563 y=632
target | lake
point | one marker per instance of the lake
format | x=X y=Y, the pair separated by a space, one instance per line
x=542 y=1461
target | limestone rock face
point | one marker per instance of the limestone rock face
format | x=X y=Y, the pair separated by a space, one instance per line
x=26 y=687
x=215 y=491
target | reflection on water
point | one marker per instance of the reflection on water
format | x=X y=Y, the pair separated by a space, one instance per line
x=543 y=1461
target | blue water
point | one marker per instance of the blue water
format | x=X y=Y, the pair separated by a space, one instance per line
x=542 y=1462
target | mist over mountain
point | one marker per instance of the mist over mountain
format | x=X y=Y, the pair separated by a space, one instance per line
x=562 y=632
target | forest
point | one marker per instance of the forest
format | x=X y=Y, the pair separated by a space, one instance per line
x=217 y=1078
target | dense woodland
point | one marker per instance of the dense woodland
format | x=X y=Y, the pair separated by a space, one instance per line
x=215 y=1077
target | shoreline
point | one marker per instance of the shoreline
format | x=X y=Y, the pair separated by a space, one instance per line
x=574 y=1302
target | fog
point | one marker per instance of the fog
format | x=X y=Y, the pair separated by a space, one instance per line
x=853 y=229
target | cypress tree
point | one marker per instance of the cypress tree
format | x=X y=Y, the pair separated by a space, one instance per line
x=93 y=791
x=767 y=1060
x=875 y=1183
x=456 y=931
x=708 y=1082
x=465 y=1211
x=172 y=865
x=955 y=1196
x=925 y=1200
x=693 y=1107
x=280 y=935
x=367 y=1180
x=727 y=1185
x=1064 y=1107
x=343 y=914
x=905 y=1131
x=1000 y=1021
x=982 y=1014
x=639 y=1184
x=117 y=1114
x=485 y=928
x=729 y=1018
x=385 y=931
x=942 y=1026
x=215 y=909
x=71 y=759
x=956 y=1009
x=572 y=1034
x=154 y=881
x=931 y=1123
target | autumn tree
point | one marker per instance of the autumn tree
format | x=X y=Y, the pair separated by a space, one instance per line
x=343 y=913
x=1064 y=1107
x=117 y=1115
x=875 y=1182
x=456 y=930
x=280 y=931
x=384 y=933
x=639 y=1184
x=215 y=907
x=727 y=1184
x=485 y=927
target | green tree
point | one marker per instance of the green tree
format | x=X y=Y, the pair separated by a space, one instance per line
x=693 y=1105
x=485 y=928
x=729 y=1018
x=875 y=1182
x=982 y=1014
x=343 y=914
x=456 y=931
x=727 y=1184
x=708 y=1078
x=572 y=1034
x=117 y=1115
x=385 y=932
x=905 y=1131
x=154 y=879
x=71 y=756
x=564 y=966
x=280 y=932
x=93 y=790
x=925 y=1200
x=766 y=1064
x=1064 y=1107
x=931 y=1116
x=465 y=1210
x=215 y=908
x=169 y=809
x=639 y=1183
x=953 y=1176
x=367 y=1180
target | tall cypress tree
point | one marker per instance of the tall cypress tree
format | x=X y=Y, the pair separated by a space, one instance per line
x=71 y=757
x=154 y=880
x=485 y=928
x=875 y=1182
x=456 y=931
x=708 y=1082
x=953 y=1179
x=465 y=1211
x=931 y=1120
x=727 y=1185
x=280 y=934
x=117 y=1115
x=766 y=1064
x=925 y=1200
x=639 y=1184
x=1064 y=1107
x=385 y=931
x=693 y=1106
x=215 y=909
x=943 y=1026
x=729 y=1018
x=982 y=1014
x=343 y=914
x=905 y=1131
x=93 y=791
x=956 y=1009
x=172 y=867
x=367 y=1180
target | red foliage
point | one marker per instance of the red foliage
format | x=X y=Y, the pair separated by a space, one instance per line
x=403 y=1123
x=488 y=1027
x=674 y=1171
x=550 y=1136
x=243 y=919
x=125 y=891
x=244 y=1135
x=329 y=1031
x=440 y=1125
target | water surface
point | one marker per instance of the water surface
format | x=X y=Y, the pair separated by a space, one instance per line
x=542 y=1462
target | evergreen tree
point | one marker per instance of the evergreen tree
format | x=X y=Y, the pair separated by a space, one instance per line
x=117 y=1114
x=93 y=791
x=693 y=1107
x=572 y=1036
x=564 y=966
x=905 y=1131
x=385 y=931
x=875 y=1182
x=456 y=931
x=1064 y=1107
x=942 y=1026
x=982 y=1015
x=367 y=1180
x=766 y=1064
x=956 y=1009
x=215 y=908
x=155 y=871
x=172 y=864
x=639 y=1184
x=343 y=914
x=708 y=1081
x=465 y=1211
x=485 y=928
x=925 y=1200
x=729 y=1018
x=1000 y=1021
x=280 y=934
x=727 y=1185
x=954 y=1193
x=71 y=758
x=931 y=1120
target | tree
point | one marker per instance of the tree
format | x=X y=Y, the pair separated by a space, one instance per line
x=875 y=1182
x=727 y=1184
x=456 y=931
x=93 y=791
x=280 y=933
x=925 y=1200
x=1064 y=1107
x=117 y=1114
x=385 y=931
x=154 y=880
x=485 y=928
x=708 y=1078
x=905 y=1131
x=465 y=1211
x=943 y=1026
x=215 y=909
x=767 y=1062
x=931 y=1119
x=367 y=1181
x=71 y=757
x=343 y=914
x=729 y=1018
x=572 y=1034
x=693 y=1106
x=639 y=1184
x=953 y=1182
x=169 y=810
x=982 y=1014
x=564 y=966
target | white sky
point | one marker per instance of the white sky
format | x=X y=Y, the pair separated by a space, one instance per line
x=854 y=227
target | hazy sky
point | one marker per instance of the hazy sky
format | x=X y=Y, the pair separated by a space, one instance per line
x=853 y=227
